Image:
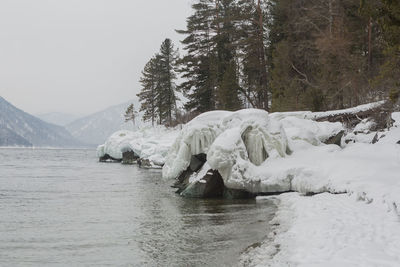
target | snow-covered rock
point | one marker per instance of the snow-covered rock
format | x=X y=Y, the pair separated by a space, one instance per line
x=195 y=138
x=240 y=144
x=150 y=143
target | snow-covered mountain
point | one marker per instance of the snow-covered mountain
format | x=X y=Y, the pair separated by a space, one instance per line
x=57 y=118
x=96 y=128
x=18 y=128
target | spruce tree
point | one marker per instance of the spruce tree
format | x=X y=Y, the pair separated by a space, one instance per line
x=252 y=39
x=198 y=66
x=168 y=56
x=130 y=114
x=150 y=91
x=157 y=96
x=211 y=51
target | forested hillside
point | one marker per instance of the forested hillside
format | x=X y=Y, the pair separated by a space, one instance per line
x=277 y=55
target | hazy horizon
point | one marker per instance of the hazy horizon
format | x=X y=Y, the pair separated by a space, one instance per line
x=79 y=57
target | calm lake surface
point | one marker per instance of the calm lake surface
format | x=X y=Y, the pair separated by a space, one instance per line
x=63 y=208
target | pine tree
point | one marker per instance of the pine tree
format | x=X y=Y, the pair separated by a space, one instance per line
x=211 y=51
x=167 y=59
x=253 y=52
x=149 y=94
x=388 y=17
x=198 y=66
x=225 y=45
x=157 y=96
x=130 y=114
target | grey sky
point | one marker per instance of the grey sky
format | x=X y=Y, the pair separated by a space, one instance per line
x=80 y=56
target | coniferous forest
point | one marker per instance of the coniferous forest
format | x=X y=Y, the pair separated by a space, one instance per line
x=276 y=55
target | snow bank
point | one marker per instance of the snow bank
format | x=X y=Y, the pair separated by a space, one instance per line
x=357 y=228
x=150 y=143
x=360 y=168
x=328 y=230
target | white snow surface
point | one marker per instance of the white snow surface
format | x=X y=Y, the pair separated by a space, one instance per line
x=150 y=143
x=360 y=227
x=329 y=230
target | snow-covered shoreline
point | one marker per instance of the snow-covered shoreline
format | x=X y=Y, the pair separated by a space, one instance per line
x=354 y=221
x=344 y=207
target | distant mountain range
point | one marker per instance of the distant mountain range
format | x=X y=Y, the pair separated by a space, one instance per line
x=96 y=128
x=18 y=128
x=57 y=118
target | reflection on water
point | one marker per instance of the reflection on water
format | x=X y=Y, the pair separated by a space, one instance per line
x=62 y=207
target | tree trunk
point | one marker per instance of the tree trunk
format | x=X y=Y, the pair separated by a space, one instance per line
x=264 y=79
x=369 y=43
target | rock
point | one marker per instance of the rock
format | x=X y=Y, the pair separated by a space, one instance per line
x=144 y=163
x=398 y=142
x=197 y=161
x=108 y=158
x=183 y=180
x=375 y=139
x=336 y=139
x=211 y=185
x=236 y=194
x=129 y=157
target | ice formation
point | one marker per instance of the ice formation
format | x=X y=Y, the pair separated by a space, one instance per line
x=241 y=145
x=151 y=143
x=195 y=138
x=251 y=150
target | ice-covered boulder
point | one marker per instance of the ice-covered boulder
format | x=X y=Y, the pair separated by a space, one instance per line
x=195 y=138
x=232 y=141
x=238 y=145
x=249 y=139
x=150 y=144
x=116 y=144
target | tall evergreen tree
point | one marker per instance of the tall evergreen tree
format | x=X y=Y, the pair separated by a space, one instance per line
x=253 y=51
x=149 y=95
x=158 y=96
x=225 y=42
x=168 y=56
x=130 y=114
x=210 y=53
x=198 y=66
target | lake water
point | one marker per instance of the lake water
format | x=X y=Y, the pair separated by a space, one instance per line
x=63 y=208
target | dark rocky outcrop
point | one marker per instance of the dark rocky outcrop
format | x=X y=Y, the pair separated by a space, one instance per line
x=129 y=157
x=237 y=194
x=197 y=161
x=211 y=185
x=108 y=158
x=335 y=140
x=144 y=163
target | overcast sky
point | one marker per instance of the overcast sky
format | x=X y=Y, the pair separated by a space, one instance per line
x=80 y=56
